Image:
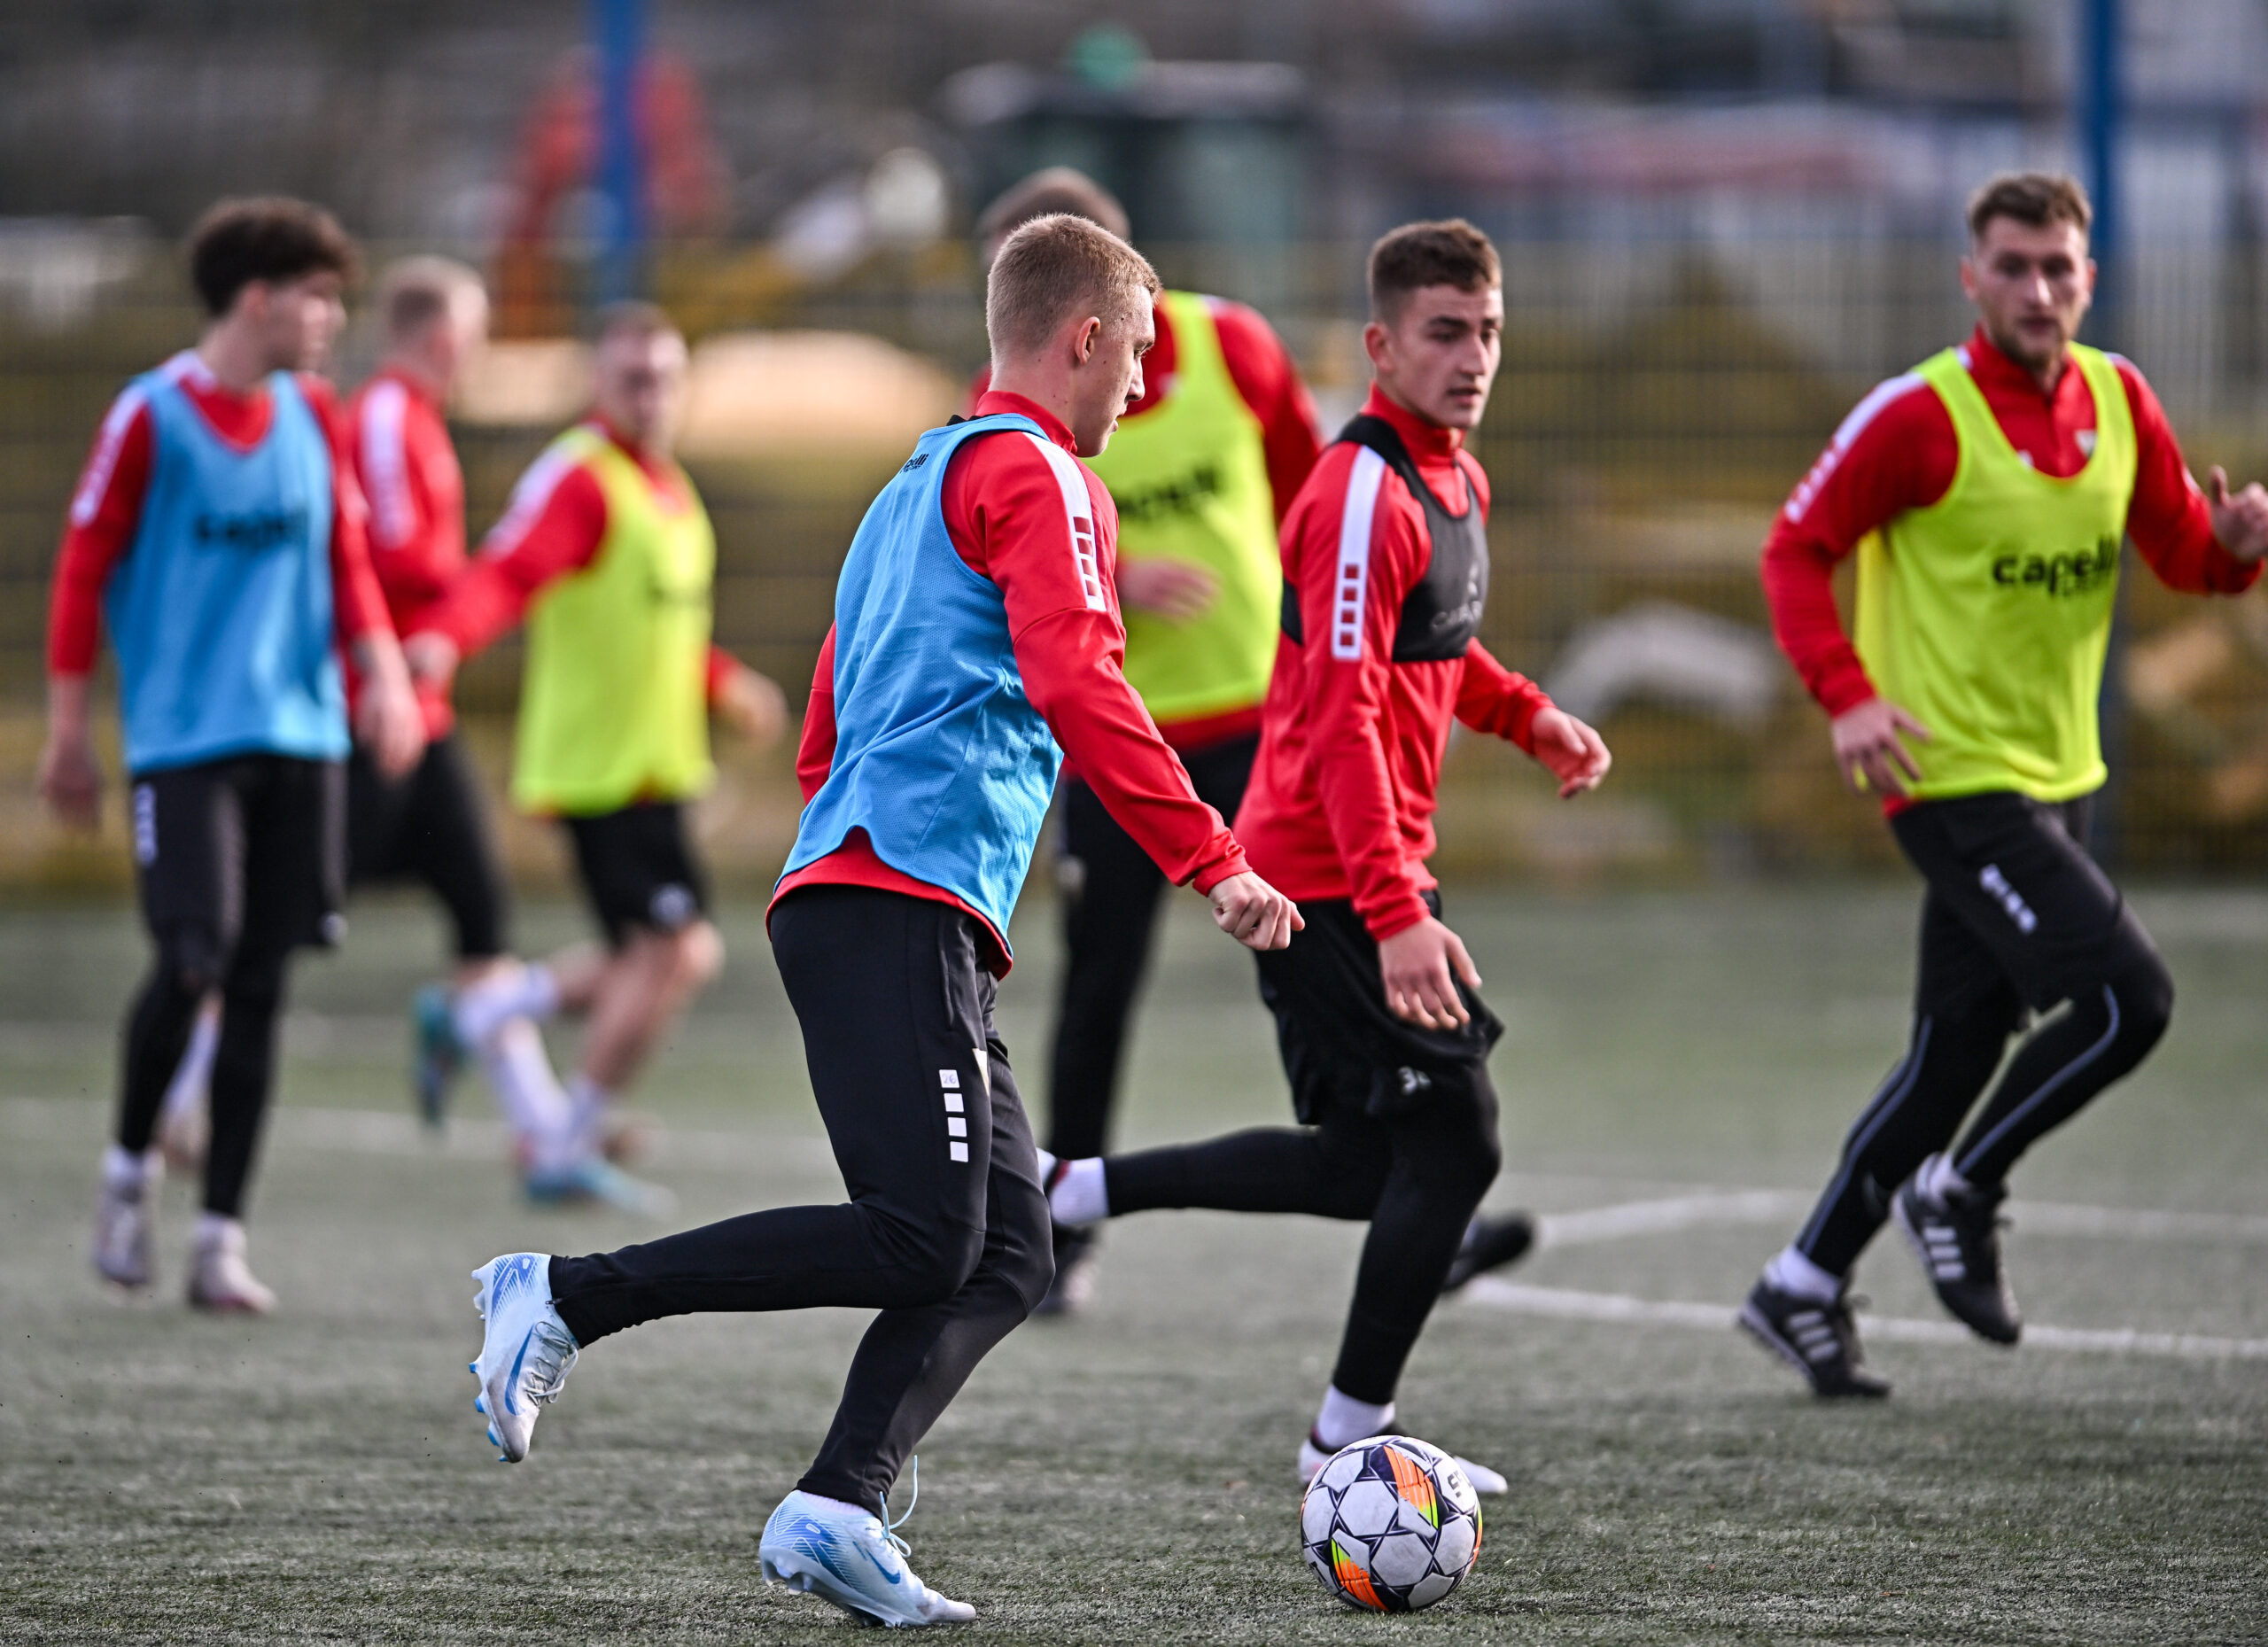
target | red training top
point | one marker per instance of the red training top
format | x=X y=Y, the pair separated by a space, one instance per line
x=1897 y=451
x=1262 y=371
x=1004 y=511
x=1343 y=792
x=106 y=509
x=554 y=526
x=407 y=470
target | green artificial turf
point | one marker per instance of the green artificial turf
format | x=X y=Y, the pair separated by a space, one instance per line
x=1126 y=1476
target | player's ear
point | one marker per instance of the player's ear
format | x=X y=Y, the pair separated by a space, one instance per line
x=1086 y=341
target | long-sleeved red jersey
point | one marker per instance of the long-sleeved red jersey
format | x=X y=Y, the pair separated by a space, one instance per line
x=106 y=510
x=1897 y=451
x=407 y=468
x=1343 y=791
x=554 y=526
x=1005 y=514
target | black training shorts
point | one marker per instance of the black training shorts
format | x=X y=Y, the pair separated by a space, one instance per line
x=639 y=869
x=1338 y=1039
x=245 y=852
x=430 y=825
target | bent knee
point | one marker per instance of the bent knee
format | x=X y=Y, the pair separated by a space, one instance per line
x=932 y=1262
x=191 y=959
x=2143 y=992
x=696 y=954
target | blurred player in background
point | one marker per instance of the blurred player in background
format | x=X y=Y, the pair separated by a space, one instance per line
x=1203 y=468
x=1385 y=554
x=218 y=532
x=976 y=626
x=1987 y=493
x=608 y=553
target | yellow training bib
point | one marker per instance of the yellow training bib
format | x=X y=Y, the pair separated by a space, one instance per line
x=613 y=703
x=1987 y=613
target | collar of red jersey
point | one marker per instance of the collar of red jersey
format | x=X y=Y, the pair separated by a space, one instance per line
x=1425 y=439
x=994 y=403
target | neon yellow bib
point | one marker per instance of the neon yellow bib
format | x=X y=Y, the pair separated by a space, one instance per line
x=1986 y=614
x=1190 y=477
x=612 y=705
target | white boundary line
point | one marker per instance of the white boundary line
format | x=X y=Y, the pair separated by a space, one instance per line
x=1738 y=1209
x=1564 y=1304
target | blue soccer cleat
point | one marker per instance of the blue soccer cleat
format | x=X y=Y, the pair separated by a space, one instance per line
x=593 y=1180
x=437 y=1053
x=526 y=1353
x=843 y=1554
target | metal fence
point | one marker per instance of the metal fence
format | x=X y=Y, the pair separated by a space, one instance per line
x=1659 y=395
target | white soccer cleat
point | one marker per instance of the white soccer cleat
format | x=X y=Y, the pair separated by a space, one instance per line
x=219 y=1278
x=1487 y=1482
x=840 y=1554
x=122 y=1232
x=526 y=1353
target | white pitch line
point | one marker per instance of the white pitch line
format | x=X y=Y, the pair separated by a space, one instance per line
x=1564 y=1304
x=1737 y=1209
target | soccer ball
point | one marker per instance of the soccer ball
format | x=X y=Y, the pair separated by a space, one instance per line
x=1391 y=1524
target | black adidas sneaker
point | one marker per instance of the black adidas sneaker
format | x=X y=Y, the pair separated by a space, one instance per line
x=1818 y=1341
x=1489 y=1244
x=1957 y=1237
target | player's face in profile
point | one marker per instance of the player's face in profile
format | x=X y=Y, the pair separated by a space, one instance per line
x=2031 y=285
x=1439 y=356
x=641 y=385
x=1110 y=378
x=300 y=319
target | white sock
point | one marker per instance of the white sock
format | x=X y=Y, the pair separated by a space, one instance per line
x=123 y=1171
x=587 y=1103
x=1791 y=1272
x=1938 y=1179
x=1081 y=1196
x=535 y=1104
x=213 y=1230
x=1046 y=1167
x=839 y=1504
x=480 y=1009
x=1343 y=1420
x=193 y=1075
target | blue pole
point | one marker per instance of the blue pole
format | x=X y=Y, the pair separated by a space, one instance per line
x=618 y=27
x=2103 y=104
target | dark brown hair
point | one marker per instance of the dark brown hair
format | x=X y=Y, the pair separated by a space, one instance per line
x=2036 y=198
x=1045 y=192
x=1056 y=266
x=1450 y=252
x=269 y=239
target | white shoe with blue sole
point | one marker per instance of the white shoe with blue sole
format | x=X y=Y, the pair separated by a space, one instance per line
x=843 y=1555
x=526 y=1354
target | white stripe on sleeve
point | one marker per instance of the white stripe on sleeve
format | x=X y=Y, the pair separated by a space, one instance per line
x=1351 y=584
x=386 y=465
x=529 y=498
x=1845 y=432
x=94 y=485
x=1079 y=515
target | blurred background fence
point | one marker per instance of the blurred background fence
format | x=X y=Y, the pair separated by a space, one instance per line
x=1698 y=288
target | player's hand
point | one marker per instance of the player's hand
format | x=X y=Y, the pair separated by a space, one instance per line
x=1868 y=750
x=388 y=720
x=71 y=780
x=1255 y=913
x=1421 y=966
x=2240 y=521
x=431 y=656
x=752 y=705
x=1570 y=750
x=1174 y=590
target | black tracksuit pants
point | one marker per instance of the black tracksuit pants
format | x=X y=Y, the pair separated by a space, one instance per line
x=2016 y=916
x=1400 y=1129
x=1111 y=889
x=946 y=1230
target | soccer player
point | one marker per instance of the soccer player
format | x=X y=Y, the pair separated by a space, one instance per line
x=218 y=532
x=1202 y=470
x=1986 y=493
x=432 y=825
x=976 y=626
x=607 y=551
x=1386 y=559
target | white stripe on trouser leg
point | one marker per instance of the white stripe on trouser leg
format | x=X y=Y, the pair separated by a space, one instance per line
x=2110 y=999
x=1894 y=1091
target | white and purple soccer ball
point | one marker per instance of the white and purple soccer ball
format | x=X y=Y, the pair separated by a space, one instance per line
x=1391 y=1524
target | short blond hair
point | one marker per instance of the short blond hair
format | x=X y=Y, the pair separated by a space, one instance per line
x=1054 y=268
x=415 y=291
